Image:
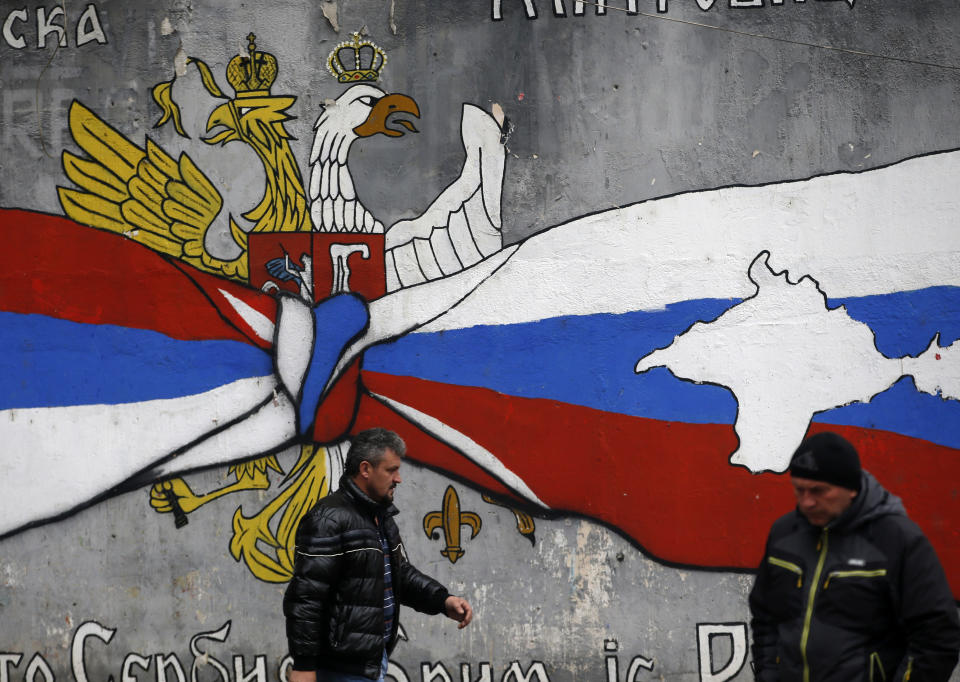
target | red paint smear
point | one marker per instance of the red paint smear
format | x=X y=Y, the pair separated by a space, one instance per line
x=53 y=266
x=667 y=485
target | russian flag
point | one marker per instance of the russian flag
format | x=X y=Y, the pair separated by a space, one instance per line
x=537 y=367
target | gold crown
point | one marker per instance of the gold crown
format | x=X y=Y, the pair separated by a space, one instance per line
x=356 y=61
x=251 y=75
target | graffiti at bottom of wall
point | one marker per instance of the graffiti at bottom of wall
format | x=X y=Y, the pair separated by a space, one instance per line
x=90 y=638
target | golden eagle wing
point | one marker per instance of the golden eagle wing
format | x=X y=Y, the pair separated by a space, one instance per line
x=144 y=194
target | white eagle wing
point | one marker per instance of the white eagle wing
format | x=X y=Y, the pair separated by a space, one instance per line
x=462 y=225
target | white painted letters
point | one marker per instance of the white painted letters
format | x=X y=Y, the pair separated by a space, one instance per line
x=17 y=32
x=435 y=672
x=484 y=673
x=706 y=633
x=515 y=673
x=128 y=662
x=5 y=661
x=286 y=665
x=663 y=6
x=257 y=674
x=46 y=26
x=169 y=661
x=397 y=673
x=38 y=664
x=611 y=646
x=136 y=667
x=88 y=629
x=528 y=7
x=89 y=28
x=17 y=42
x=202 y=658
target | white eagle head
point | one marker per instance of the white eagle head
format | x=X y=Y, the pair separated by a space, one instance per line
x=361 y=111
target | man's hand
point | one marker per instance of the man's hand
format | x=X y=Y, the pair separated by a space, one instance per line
x=302 y=676
x=457 y=609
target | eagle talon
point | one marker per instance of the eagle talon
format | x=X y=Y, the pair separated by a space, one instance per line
x=164 y=494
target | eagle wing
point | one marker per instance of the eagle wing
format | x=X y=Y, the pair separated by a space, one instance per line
x=462 y=226
x=144 y=194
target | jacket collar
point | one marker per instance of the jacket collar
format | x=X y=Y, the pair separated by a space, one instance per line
x=873 y=501
x=364 y=501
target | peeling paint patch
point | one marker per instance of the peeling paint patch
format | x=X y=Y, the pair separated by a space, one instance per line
x=166 y=28
x=498 y=114
x=180 y=62
x=10 y=575
x=592 y=585
x=329 y=9
x=393 y=23
x=190 y=583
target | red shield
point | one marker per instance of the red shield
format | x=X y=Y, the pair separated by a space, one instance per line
x=318 y=263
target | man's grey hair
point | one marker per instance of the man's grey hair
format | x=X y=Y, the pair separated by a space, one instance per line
x=371 y=446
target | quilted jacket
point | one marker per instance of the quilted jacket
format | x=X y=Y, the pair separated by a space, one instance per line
x=334 y=601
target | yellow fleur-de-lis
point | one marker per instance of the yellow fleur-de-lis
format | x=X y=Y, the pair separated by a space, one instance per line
x=451 y=519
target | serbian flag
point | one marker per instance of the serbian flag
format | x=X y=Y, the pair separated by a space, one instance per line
x=112 y=359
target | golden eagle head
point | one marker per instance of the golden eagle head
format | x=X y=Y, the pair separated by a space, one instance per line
x=252 y=119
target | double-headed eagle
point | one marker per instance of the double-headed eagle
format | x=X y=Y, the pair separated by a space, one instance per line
x=170 y=206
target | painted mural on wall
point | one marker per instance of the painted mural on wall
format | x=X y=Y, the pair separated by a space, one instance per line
x=648 y=367
x=309 y=311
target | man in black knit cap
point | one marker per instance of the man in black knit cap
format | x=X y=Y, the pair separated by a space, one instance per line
x=849 y=588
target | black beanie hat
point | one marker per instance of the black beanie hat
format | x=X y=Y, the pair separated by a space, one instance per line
x=829 y=458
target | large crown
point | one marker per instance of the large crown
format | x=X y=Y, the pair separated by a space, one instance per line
x=356 y=61
x=251 y=75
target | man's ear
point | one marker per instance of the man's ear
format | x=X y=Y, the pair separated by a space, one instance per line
x=365 y=468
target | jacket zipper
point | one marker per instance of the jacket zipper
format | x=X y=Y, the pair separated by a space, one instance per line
x=876 y=664
x=854 y=574
x=808 y=617
x=906 y=674
x=788 y=565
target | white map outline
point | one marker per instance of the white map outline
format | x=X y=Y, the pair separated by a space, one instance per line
x=812 y=359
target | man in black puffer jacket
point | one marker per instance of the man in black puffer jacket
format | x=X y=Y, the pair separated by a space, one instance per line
x=351 y=573
x=849 y=589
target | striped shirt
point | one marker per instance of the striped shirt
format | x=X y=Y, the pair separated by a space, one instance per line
x=389 y=607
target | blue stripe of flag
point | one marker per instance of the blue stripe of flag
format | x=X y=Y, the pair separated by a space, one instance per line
x=48 y=362
x=589 y=361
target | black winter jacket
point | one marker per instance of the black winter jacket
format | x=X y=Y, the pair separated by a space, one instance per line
x=864 y=598
x=334 y=602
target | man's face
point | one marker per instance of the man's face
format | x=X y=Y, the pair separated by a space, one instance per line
x=821 y=502
x=380 y=480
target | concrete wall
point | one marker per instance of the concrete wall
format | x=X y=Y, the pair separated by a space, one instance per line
x=656 y=243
